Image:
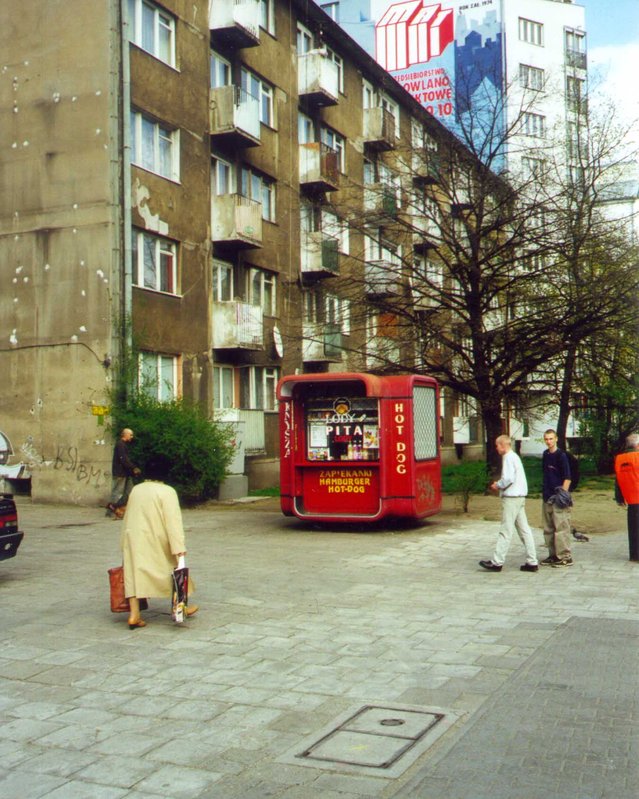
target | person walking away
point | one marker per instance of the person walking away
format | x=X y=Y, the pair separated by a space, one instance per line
x=152 y=539
x=513 y=489
x=556 y=505
x=627 y=491
x=122 y=471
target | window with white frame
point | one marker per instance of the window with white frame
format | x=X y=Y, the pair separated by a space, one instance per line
x=257 y=387
x=373 y=98
x=337 y=313
x=575 y=90
x=223 y=281
x=575 y=41
x=223 y=387
x=305 y=129
x=531 y=77
x=259 y=188
x=261 y=290
x=313 y=306
x=531 y=32
x=339 y=63
x=154 y=146
x=220 y=70
x=221 y=177
x=533 y=167
x=304 y=39
x=336 y=142
x=267 y=16
x=393 y=108
x=256 y=87
x=333 y=226
x=153 y=29
x=534 y=261
x=332 y=9
x=534 y=124
x=158 y=375
x=154 y=262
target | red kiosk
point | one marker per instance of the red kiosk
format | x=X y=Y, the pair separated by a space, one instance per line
x=357 y=446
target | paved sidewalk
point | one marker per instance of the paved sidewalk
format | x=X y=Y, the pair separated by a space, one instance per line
x=299 y=628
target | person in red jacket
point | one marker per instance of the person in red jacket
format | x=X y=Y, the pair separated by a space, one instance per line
x=627 y=490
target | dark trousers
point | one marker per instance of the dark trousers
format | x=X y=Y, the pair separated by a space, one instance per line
x=633 y=532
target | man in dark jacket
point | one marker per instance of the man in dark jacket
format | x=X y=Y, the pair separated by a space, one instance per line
x=555 y=511
x=123 y=471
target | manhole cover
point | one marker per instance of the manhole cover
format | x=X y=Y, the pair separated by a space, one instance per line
x=375 y=739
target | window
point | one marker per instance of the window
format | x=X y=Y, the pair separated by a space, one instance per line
x=336 y=142
x=393 y=108
x=154 y=262
x=158 y=375
x=152 y=29
x=531 y=77
x=304 y=40
x=259 y=188
x=332 y=9
x=534 y=261
x=575 y=91
x=534 y=124
x=220 y=71
x=256 y=87
x=267 y=16
x=155 y=147
x=533 y=167
x=223 y=288
x=257 y=387
x=261 y=290
x=305 y=129
x=575 y=41
x=339 y=63
x=372 y=98
x=223 y=387
x=221 y=177
x=531 y=32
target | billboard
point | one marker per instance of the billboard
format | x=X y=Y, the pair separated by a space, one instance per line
x=447 y=55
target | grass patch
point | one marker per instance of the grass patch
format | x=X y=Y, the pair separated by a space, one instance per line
x=265 y=492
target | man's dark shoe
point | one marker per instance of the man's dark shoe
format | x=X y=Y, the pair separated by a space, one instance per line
x=529 y=567
x=489 y=565
x=562 y=562
x=549 y=560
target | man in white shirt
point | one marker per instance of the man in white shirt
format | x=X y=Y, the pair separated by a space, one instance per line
x=513 y=488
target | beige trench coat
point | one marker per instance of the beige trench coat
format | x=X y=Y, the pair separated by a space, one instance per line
x=151 y=538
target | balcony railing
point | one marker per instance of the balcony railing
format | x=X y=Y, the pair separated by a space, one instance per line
x=321 y=342
x=237 y=325
x=426 y=165
x=380 y=200
x=319 y=254
x=235 y=23
x=236 y=221
x=577 y=59
x=234 y=116
x=317 y=79
x=253 y=426
x=319 y=167
x=382 y=278
x=379 y=128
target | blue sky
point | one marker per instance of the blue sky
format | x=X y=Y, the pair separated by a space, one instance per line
x=613 y=56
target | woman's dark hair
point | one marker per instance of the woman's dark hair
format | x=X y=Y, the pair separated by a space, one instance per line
x=157 y=468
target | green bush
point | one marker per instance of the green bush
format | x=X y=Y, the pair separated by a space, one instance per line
x=199 y=449
x=465 y=478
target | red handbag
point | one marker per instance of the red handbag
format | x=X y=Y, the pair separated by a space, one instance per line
x=119 y=603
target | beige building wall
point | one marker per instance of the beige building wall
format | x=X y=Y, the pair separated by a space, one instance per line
x=59 y=240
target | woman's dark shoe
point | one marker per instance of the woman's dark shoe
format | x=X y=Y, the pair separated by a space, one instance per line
x=133 y=625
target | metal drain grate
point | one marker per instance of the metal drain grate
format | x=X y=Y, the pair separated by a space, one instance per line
x=375 y=739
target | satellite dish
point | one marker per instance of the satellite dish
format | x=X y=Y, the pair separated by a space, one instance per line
x=277 y=340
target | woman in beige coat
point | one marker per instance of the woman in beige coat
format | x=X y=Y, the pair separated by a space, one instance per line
x=152 y=540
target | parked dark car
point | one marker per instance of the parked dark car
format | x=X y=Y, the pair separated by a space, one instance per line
x=10 y=536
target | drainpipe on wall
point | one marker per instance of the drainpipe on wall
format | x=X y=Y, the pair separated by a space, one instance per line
x=125 y=128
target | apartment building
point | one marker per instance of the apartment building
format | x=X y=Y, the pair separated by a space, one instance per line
x=226 y=189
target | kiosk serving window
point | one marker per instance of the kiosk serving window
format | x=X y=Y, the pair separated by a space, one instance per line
x=342 y=429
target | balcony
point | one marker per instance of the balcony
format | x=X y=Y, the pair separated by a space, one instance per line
x=321 y=342
x=234 y=117
x=381 y=201
x=382 y=351
x=425 y=233
x=379 y=129
x=317 y=79
x=252 y=423
x=235 y=23
x=237 y=326
x=319 y=255
x=426 y=166
x=319 y=167
x=382 y=279
x=576 y=59
x=236 y=222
